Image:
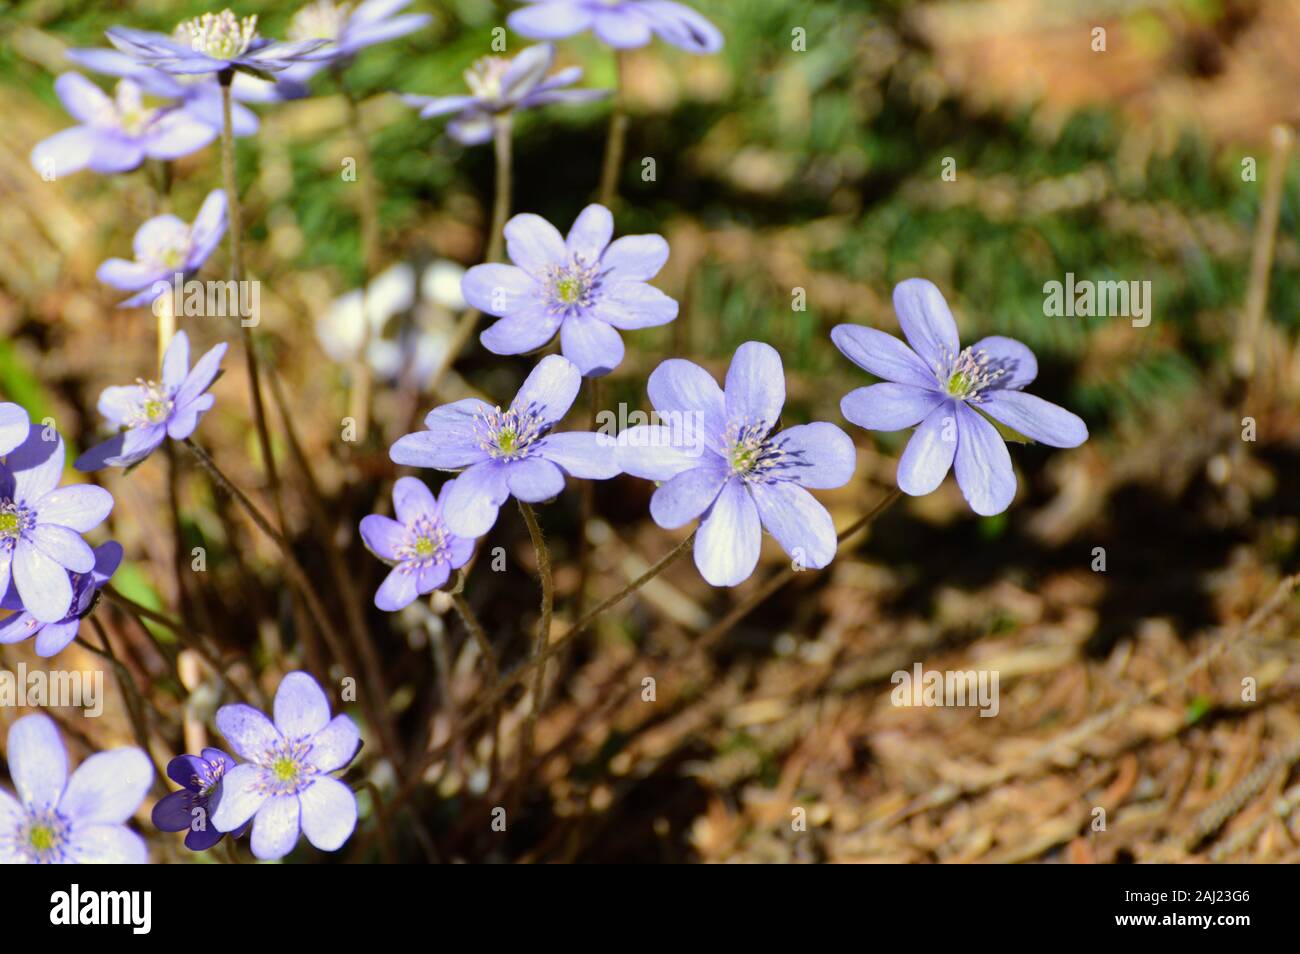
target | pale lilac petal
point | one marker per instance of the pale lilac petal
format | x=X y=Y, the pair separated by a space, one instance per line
x=817 y=455
x=580 y=453
x=1017 y=363
x=359 y=37
x=471 y=128
x=526 y=330
x=248 y=731
x=275 y=827
x=53 y=638
x=755 y=388
x=983 y=464
x=499 y=289
x=242 y=794
x=431 y=576
x=301 y=709
x=126 y=276
x=550 y=388
x=534 y=479
x=201 y=375
x=335 y=745
x=398 y=590
x=621 y=28
x=83 y=100
x=659 y=451
x=550 y=21
x=534 y=244
x=681 y=26
x=382 y=535
x=929 y=453
x=413 y=499
x=67 y=151
x=798 y=522
x=120 y=403
x=115 y=153
x=592 y=345
x=730 y=537
x=926 y=321
x=329 y=813
x=686 y=496
x=96 y=844
x=1037 y=419
x=680 y=386
x=65 y=547
x=208 y=228
x=434 y=106
x=176 y=362
x=451 y=441
x=889 y=406
x=184 y=420
x=634 y=258
x=79 y=507
x=172 y=812
x=883 y=355
x=108 y=787
x=176 y=134
x=632 y=305
x=474 y=499
x=42 y=583
x=15 y=425
x=19 y=626
x=37 y=465
x=526 y=71
x=38 y=763
x=590 y=233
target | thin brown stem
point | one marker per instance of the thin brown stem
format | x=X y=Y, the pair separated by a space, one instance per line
x=476 y=631
x=543 y=633
x=359 y=404
x=135 y=705
x=615 y=141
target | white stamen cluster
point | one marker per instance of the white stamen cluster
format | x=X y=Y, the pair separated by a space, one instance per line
x=154 y=406
x=15 y=520
x=509 y=435
x=41 y=840
x=968 y=375
x=166 y=244
x=222 y=36
x=484 y=77
x=571 y=286
x=321 y=20
x=285 y=769
x=425 y=545
x=751 y=454
x=129 y=113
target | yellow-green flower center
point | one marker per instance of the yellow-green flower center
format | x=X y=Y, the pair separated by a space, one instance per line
x=285 y=769
x=424 y=547
x=568 y=290
x=9 y=524
x=41 y=837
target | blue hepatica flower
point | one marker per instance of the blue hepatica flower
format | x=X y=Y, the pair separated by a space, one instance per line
x=150 y=412
x=285 y=785
x=947 y=391
x=190 y=809
x=719 y=460
x=418 y=545
x=118 y=133
x=499 y=85
x=80 y=820
x=41 y=525
x=623 y=24
x=165 y=246
x=582 y=286
x=347 y=30
x=52 y=638
x=510 y=453
x=212 y=43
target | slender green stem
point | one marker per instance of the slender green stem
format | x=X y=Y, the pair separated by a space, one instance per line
x=615 y=141
x=501 y=138
x=234 y=216
x=543 y=633
x=489 y=655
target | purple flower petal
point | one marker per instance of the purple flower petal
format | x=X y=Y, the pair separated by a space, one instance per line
x=242 y=793
x=526 y=71
x=79 y=507
x=686 y=496
x=550 y=21
x=185 y=769
x=186 y=419
x=53 y=638
x=15 y=425
x=818 y=455
x=889 y=406
x=329 y=813
x=38 y=763
x=83 y=100
x=1008 y=355
x=635 y=258
x=96 y=844
x=883 y=355
x=679 y=386
x=248 y=731
x=632 y=305
x=67 y=151
x=534 y=244
x=113 y=153
x=755 y=388
x=42 y=583
x=382 y=535
x=658 y=451
x=592 y=345
x=398 y=591
x=335 y=745
x=928 y=455
x=208 y=228
x=983 y=464
x=107 y=788
x=431 y=576
x=621 y=29
x=172 y=812
x=451 y=441
x=550 y=388
x=201 y=375
x=799 y=523
x=413 y=499
x=275 y=827
x=728 y=541
x=526 y=330
x=19 y=626
x=534 y=479
x=926 y=321
x=301 y=709
x=126 y=276
x=431 y=107
x=177 y=134
x=37 y=465
x=580 y=453
x=1037 y=419
x=65 y=547
x=118 y=403
x=682 y=27
x=204 y=837
x=590 y=233
x=499 y=289
x=474 y=499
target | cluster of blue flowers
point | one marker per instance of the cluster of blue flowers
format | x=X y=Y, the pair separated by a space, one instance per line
x=716 y=452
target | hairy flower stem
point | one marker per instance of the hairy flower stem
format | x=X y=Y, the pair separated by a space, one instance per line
x=372 y=701
x=614 y=142
x=236 y=231
x=501 y=133
x=543 y=634
x=359 y=399
x=489 y=655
